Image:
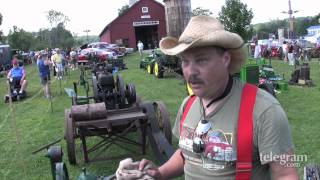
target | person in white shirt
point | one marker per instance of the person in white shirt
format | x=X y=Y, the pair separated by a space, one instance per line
x=285 y=50
x=257 y=51
x=140 y=47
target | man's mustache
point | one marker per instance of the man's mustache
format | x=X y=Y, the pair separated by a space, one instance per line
x=195 y=80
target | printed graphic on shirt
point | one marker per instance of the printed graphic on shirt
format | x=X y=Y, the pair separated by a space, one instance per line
x=218 y=152
x=217 y=147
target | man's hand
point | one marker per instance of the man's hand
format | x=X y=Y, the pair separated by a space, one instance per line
x=152 y=170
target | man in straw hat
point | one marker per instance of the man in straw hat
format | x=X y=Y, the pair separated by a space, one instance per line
x=223 y=133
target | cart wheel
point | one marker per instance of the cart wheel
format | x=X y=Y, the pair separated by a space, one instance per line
x=158 y=70
x=150 y=69
x=95 y=88
x=70 y=135
x=131 y=93
x=159 y=143
x=121 y=90
x=163 y=119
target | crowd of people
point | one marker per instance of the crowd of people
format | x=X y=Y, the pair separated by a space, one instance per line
x=291 y=52
x=46 y=60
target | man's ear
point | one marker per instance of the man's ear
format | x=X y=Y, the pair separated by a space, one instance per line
x=226 y=58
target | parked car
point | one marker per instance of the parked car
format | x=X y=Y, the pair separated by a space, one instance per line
x=94 y=54
x=107 y=46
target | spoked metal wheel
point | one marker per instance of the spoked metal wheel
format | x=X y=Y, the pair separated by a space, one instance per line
x=131 y=93
x=121 y=90
x=70 y=135
x=163 y=119
x=160 y=145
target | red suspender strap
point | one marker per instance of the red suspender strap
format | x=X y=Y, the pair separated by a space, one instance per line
x=186 y=111
x=184 y=115
x=245 y=133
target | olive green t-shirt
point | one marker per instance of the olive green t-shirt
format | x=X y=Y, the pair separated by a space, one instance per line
x=272 y=136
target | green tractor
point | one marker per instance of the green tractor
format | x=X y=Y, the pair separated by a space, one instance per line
x=262 y=75
x=158 y=63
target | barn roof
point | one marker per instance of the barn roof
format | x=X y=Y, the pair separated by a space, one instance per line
x=126 y=12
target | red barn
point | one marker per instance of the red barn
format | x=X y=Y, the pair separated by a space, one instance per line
x=144 y=21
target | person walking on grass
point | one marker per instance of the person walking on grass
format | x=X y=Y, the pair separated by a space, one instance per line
x=57 y=61
x=140 y=47
x=44 y=63
x=227 y=129
x=257 y=51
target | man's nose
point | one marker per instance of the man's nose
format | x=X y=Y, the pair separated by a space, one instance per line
x=192 y=69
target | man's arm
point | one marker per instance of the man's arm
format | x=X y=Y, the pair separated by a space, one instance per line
x=9 y=74
x=284 y=169
x=172 y=168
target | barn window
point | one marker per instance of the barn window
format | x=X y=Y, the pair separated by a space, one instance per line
x=145 y=10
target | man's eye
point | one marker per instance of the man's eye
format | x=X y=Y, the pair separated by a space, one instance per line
x=184 y=61
x=201 y=61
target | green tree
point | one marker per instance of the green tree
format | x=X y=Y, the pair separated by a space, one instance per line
x=237 y=18
x=20 y=39
x=199 y=11
x=55 y=19
x=262 y=30
x=123 y=9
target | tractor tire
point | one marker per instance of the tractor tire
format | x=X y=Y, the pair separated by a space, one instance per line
x=158 y=70
x=189 y=90
x=150 y=68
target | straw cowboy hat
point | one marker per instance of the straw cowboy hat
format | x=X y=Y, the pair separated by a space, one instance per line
x=206 y=31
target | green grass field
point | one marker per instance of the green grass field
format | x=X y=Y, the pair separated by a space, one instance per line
x=27 y=125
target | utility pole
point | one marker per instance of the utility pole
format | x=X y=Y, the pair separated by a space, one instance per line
x=291 y=20
x=87 y=31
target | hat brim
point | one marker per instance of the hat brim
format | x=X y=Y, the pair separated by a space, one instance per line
x=221 y=38
x=231 y=41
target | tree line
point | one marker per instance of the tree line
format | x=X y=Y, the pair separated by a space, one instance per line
x=300 y=26
x=55 y=36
